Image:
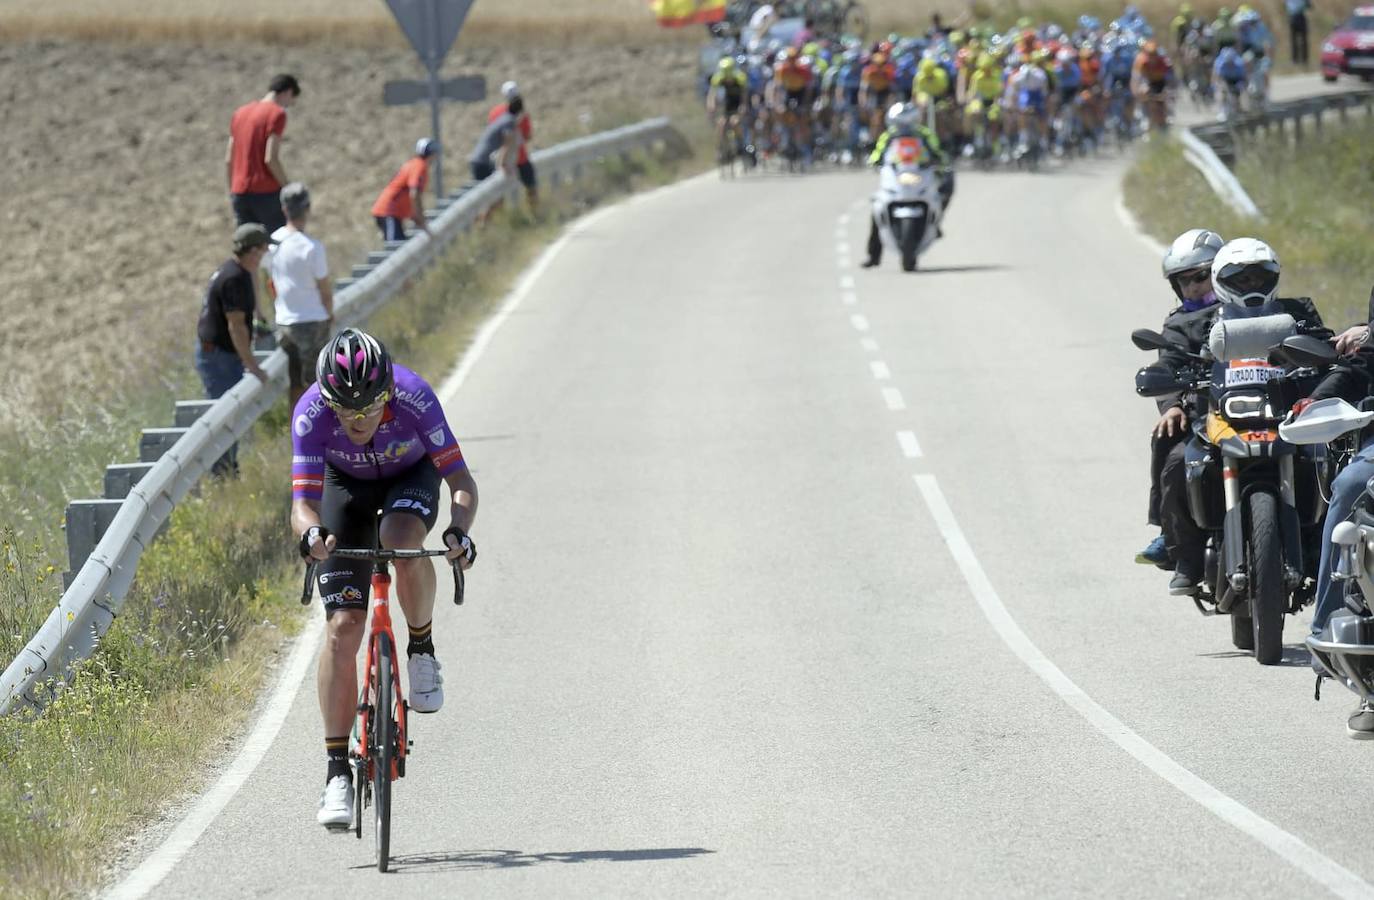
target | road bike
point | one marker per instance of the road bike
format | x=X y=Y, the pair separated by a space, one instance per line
x=380 y=742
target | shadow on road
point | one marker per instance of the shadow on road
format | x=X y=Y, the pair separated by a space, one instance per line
x=952 y=270
x=1294 y=656
x=464 y=860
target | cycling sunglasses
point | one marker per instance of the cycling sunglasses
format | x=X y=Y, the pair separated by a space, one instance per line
x=358 y=415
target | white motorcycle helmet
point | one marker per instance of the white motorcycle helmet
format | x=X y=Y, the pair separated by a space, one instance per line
x=1193 y=249
x=903 y=118
x=1245 y=275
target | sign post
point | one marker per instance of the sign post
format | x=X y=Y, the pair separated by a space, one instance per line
x=431 y=26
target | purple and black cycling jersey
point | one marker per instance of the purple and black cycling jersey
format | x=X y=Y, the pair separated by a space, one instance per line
x=413 y=425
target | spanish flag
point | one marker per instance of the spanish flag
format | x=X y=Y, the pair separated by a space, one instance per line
x=679 y=13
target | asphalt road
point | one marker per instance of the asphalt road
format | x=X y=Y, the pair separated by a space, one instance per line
x=720 y=641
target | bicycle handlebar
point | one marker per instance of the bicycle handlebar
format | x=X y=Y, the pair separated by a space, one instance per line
x=308 y=590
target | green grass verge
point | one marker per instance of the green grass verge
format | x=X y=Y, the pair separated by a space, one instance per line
x=215 y=597
x=1314 y=197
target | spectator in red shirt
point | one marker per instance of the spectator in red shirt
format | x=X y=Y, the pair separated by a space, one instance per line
x=252 y=164
x=510 y=91
x=403 y=197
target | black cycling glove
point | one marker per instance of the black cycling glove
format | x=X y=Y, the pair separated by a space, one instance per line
x=313 y=531
x=464 y=543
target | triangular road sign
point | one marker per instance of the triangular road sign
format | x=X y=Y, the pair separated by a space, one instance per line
x=431 y=25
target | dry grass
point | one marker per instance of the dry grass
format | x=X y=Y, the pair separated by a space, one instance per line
x=366 y=23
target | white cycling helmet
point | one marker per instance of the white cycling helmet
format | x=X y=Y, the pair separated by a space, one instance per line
x=1245 y=273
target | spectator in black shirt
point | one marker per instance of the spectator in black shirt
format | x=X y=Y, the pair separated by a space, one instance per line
x=225 y=344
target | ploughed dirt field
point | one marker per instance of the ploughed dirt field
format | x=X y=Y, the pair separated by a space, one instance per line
x=115 y=209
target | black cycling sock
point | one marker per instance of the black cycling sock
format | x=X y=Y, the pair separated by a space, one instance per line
x=421 y=639
x=336 y=749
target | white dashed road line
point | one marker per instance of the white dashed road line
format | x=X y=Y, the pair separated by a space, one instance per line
x=860 y=322
x=880 y=370
x=849 y=298
x=907 y=441
x=869 y=344
x=893 y=398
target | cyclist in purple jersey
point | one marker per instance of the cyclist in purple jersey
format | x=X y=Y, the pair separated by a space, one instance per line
x=370 y=435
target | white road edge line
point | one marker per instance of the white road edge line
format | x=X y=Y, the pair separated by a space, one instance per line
x=183 y=837
x=893 y=398
x=880 y=370
x=159 y=864
x=1133 y=226
x=1292 y=849
x=907 y=441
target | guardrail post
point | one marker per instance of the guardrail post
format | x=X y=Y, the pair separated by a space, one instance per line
x=1297 y=128
x=87 y=522
x=120 y=478
x=156 y=441
x=185 y=412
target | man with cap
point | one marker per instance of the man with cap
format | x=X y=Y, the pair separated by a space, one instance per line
x=403 y=197
x=298 y=276
x=510 y=90
x=224 y=332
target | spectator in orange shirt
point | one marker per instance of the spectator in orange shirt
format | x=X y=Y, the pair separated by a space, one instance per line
x=528 y=178
x=403 y=198
x=252 y=163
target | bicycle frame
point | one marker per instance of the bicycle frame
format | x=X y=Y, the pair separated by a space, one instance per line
x=379 y=628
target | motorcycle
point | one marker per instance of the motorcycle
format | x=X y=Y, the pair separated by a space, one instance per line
x=1260 y=499
x=1345 y=647
x=907 y=205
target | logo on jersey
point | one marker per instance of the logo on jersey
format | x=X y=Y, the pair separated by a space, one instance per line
x=326 y=577
x=436 y=437
x=303 y=425
x=416 y=400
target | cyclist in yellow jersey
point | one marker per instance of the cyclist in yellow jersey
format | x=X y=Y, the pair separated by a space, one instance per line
x=982 y=96
x=727 y=97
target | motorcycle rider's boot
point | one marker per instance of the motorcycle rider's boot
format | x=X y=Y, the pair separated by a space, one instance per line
x=871 y=263
x=1156 y=554
x=1361 y=723
x=1185 y=580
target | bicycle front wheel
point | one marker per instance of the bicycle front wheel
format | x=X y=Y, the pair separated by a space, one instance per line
x=384 y=750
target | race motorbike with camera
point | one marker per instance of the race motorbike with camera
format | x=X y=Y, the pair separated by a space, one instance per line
x=1258 y=497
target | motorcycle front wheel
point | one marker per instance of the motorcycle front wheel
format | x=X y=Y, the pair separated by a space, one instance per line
x=1267 y=594
x=909 y=238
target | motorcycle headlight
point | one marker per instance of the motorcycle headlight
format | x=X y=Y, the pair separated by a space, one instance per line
x=909 y=178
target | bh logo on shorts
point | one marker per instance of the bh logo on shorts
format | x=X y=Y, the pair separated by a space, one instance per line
x=416 y=505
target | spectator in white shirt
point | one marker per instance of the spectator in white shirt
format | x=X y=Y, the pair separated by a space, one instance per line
x=299 y=273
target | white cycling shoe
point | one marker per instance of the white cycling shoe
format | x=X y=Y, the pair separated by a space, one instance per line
x=336 y=804
x=426 y=683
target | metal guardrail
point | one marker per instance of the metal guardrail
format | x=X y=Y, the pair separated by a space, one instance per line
x=96 y=593
x=1211 y=148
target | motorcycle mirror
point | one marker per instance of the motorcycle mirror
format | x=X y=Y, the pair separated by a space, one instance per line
x=1145 y=339
x=1303 y=350
x=1156 y=381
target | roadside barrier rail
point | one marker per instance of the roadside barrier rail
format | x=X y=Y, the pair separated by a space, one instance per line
x=107 y=537
x=1211 y=148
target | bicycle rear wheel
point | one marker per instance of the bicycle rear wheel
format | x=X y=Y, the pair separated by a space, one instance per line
x=384 y=750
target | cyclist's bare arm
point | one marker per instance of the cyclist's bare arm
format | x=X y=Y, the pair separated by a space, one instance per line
x=464 y=508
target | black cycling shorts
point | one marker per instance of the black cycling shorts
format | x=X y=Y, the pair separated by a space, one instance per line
x=796 y=99
x=349 y=510
x=733 y=102
x=1157 y=87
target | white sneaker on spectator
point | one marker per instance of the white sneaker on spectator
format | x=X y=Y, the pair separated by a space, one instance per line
x=336 y=804
x=426 y=684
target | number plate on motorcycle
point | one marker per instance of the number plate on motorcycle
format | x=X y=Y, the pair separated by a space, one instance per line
x=1250 y=371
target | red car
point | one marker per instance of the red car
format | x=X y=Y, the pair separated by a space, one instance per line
x=1350 y=48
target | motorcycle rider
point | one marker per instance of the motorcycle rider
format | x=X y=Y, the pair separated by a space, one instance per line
x=904 y=120
x=1187 y=267
x=1245 y=277
x=1352 y=381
